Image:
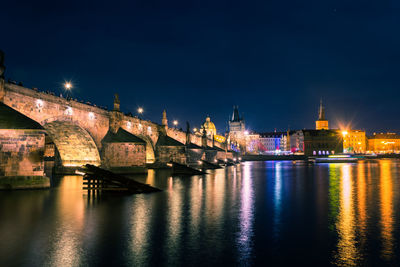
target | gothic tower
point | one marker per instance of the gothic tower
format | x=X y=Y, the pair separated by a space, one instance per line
x=321 y=123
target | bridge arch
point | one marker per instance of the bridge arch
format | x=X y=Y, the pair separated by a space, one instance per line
x=150 y=149
x=75 y=145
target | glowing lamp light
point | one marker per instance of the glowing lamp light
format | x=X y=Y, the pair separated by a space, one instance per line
x=175 y=122
x=149 y=130
x=39 y=103
x=195 y=129
x=140 y=126
x=140 y=110
x=344 y=133
x=91 y=115
x=246 y=132
x=68 y=111
x=129 y=124
x=200 y=162
x=68 y=85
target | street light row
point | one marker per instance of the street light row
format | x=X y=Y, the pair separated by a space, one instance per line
x=68 y=86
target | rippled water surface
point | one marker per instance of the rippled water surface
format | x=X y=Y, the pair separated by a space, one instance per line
x=257 y=213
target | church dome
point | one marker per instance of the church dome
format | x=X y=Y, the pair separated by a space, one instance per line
x=209 y=127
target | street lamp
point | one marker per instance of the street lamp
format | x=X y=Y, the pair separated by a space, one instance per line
x=68 y=87
x=140 y=111
x=175 y=122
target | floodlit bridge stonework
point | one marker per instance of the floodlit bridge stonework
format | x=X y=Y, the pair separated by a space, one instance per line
x=77 y=129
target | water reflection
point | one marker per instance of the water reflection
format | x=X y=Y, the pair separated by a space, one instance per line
x=277 y=197
x=67 y=244
x=256 y=213
x=347 y=254
x=246 y=215
x=386 y=197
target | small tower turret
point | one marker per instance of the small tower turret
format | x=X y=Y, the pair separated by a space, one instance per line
x=116 y=116
x=116 y=102
x=164 y=121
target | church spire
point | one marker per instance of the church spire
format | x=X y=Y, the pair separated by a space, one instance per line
x=321 y=112
x=322 y=122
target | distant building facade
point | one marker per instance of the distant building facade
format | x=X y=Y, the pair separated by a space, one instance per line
x=382 y=143
x=296 y=143
x=354 y=141
x=322 y=142
x=273 y=142
x=252 y=143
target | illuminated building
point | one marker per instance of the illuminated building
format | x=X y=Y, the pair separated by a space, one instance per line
x=296 y=143
x=354 y=141
x=273 y=142
x=384 y=143
x=209 y=127
x=219 y=138
x=237 y=131
x=322 y=142
x=321 y=123
x=252 y=143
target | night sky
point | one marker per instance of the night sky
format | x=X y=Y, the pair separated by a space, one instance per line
x=275 y=59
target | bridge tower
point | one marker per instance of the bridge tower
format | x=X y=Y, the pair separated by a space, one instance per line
x=2 y=69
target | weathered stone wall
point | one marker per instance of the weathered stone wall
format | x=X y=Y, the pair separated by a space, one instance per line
x=21 y=152
x=123 y=155
x=194 y=155
x=171 y=153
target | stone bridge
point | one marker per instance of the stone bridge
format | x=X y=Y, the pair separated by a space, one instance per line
x=77 y=129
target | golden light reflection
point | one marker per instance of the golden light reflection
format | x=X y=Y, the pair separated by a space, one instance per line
x=150 y=177
x=361 y=199
x=196 y=197
x=386 y=196
x=70 y=207
x=140 y=219
x=175 y=209
x=347 y=254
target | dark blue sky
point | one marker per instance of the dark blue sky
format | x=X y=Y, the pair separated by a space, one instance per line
x=275 y=59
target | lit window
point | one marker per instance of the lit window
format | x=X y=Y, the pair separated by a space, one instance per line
x=149 y=130
x=129 y=124
x=140 y=126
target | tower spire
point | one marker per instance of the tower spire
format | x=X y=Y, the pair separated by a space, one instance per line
x=322 y=122
x=321 y=113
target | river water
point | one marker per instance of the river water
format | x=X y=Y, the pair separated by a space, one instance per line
x=256 y=213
